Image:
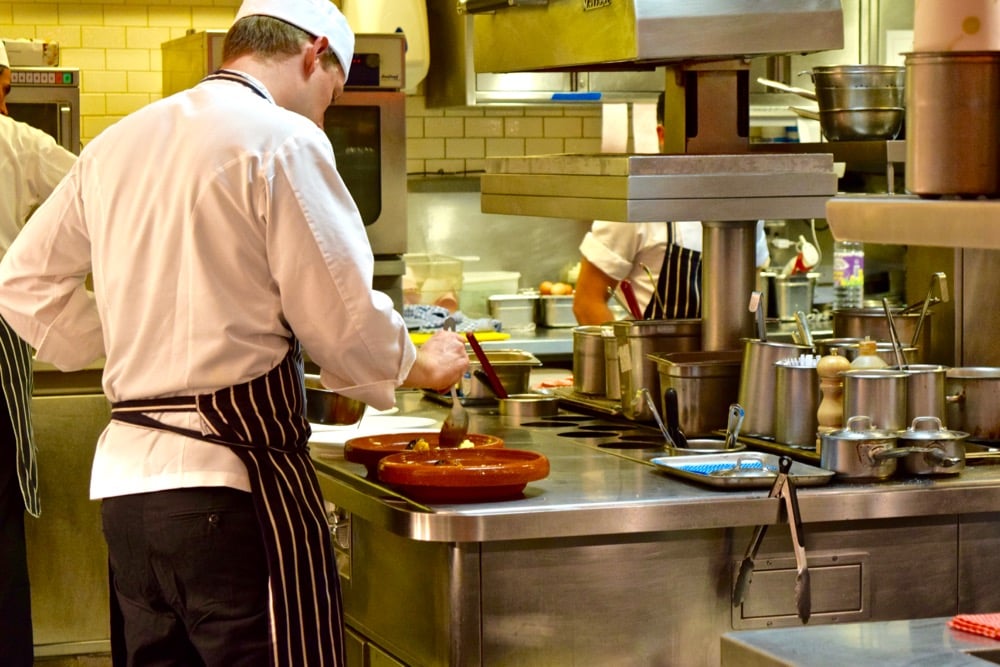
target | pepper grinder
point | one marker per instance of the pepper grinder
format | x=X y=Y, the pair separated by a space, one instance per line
x=830 y=414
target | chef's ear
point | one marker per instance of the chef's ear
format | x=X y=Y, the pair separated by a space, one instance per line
x=319 y=46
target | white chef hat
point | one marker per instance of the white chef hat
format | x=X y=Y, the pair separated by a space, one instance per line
x=4 y=60
x=317 y=17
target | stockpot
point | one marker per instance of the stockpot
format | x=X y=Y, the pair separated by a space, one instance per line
x=860 y=451
x=758 y=378
x=872 y=323
x=931 y=449
x=972 y=401
x=879 y=393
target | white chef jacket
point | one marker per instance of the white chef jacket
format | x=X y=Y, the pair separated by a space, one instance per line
x=620 y=248
x=216 y=225
x=32 y=163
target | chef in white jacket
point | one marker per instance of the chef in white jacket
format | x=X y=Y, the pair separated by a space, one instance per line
x=31 y=164
x=221 y=238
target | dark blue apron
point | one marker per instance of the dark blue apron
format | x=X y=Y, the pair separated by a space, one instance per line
x=679 y=284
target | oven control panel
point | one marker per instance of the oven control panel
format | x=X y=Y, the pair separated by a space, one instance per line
x=379 y=62
x=45 y=76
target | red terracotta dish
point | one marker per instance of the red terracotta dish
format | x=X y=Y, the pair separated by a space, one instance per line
x=371 y=449
x=463 y=475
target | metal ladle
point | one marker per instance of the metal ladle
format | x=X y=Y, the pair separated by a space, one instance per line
x=736 y=415
x=656 y=415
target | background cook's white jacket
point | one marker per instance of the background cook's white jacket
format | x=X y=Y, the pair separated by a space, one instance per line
x=32 y=167
x=231 y=230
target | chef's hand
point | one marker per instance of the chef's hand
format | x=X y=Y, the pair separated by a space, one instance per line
x=441 y=362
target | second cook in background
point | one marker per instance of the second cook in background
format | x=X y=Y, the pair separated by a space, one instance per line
x=662 y=258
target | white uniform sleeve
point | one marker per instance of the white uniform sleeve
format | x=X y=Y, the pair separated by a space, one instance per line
x=42 y=290
x=322 y=262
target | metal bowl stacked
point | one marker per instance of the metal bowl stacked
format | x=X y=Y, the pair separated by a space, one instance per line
x=860 y=102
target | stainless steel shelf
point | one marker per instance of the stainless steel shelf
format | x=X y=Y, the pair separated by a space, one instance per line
x=909 y=220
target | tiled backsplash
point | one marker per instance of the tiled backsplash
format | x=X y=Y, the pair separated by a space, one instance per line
x=116 y=45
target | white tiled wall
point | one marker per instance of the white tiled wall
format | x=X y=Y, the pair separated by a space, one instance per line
x=116 y=45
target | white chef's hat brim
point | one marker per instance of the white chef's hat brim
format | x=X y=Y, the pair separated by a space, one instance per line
x=4 y=60
x=317 y=17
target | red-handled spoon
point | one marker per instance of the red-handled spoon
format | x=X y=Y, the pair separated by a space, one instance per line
x=497 y=386
x=633 y=304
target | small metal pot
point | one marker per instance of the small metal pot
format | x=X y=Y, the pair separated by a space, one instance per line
x=860 y=451
x=706 y=446
x=325 y=406
x=528 y=405
x=933 y=450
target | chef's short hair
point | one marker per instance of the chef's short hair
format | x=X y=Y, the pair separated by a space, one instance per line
x=268 y=37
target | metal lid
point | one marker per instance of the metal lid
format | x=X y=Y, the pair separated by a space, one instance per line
x=860 y=428
x=929 y=428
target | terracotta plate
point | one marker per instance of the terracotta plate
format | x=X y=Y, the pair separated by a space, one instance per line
x=463 y=475
x=371 y=449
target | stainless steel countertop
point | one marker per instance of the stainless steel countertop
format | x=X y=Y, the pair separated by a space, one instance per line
x=925 y=641
x=595 y=491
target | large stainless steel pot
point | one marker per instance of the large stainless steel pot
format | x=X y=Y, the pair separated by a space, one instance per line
x=879 y=393
x=588 y=360
x=636 y=339
x=953 y=123
x=706 y=383
x=758 y=379
x=860 y=451
x=933 y=450
x=972 y=401
x=872 y=323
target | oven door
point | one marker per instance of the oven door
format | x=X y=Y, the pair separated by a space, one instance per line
x=55 y=111
x=368 y=133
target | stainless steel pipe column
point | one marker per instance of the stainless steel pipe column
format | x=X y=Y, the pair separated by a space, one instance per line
x=728 y=267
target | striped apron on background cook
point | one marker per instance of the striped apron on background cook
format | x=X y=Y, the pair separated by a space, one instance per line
x=679 y=283
x=17 y=381
x=263 y=422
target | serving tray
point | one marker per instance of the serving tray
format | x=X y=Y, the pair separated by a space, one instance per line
x=700 y=468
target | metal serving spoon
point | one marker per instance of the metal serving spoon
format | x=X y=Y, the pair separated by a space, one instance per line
x=456 y=424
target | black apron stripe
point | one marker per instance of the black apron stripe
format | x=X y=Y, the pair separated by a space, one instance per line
x=679 y=283
x=17 y=378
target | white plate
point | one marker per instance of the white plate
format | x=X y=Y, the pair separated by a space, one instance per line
x=373 y=425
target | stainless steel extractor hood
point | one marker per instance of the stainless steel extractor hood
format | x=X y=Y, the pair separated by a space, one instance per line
x=534 y=35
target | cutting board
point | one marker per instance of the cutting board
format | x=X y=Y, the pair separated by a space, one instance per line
x=420 y=337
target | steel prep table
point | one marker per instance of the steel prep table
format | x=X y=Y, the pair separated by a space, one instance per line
x=610 y=561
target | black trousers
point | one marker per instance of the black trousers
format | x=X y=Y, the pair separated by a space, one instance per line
x=16 y=644
x=190 y=577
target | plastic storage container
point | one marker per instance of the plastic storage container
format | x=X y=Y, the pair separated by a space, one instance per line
x=479 y=286
x=432 y=279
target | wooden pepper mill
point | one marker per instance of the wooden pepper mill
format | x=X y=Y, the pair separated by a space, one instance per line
x=830 y=414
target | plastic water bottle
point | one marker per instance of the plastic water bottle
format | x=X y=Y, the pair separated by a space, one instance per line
x=848 y=274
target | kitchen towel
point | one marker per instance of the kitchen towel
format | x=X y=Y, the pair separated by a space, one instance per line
x=987 y=625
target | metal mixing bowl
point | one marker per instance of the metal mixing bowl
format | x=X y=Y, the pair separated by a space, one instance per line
x=861 y=124
x=324 y=406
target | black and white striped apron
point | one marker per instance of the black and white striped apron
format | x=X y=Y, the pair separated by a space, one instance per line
x=263 y=422
x=17 y=380
x=679 y=283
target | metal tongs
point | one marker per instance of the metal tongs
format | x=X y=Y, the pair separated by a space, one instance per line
x=757 y=307
x=940 y=281
x=783 y=488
